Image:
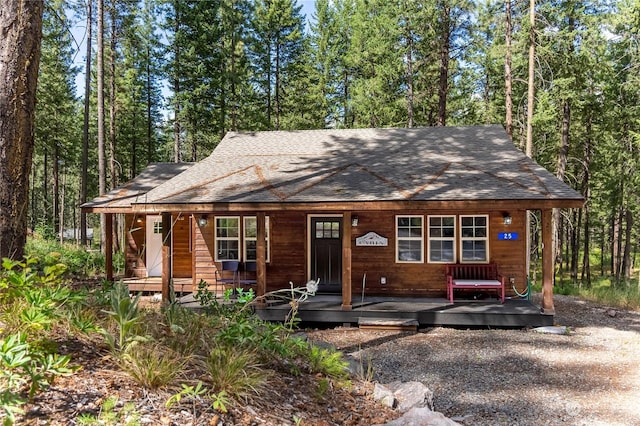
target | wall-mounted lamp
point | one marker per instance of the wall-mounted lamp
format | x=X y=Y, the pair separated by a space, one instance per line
x=139 y=219
x=354 y=221
x=203 y=220
x=506 y=218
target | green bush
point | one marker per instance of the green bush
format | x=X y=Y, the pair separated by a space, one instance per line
x=79 y=261
x=24 y=367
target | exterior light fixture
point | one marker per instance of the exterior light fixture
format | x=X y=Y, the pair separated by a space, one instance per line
x=203 y=220
x=354 y=221
x=506 y=218
x=139 y=219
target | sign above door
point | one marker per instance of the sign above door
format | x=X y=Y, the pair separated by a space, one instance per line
x=372 y=239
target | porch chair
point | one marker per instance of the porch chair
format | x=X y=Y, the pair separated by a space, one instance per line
x=250 y=274
x=227 y=275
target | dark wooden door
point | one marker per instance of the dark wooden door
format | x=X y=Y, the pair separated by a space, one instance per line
x=326 y=253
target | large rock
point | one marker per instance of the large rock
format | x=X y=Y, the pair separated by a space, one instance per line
x=384 y=395
x=422 y=416
x=407 y=395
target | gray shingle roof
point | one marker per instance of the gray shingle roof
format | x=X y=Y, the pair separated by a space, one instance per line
x=422 y=164
x=122 y=197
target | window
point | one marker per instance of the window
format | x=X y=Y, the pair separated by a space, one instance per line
x=442 y=239
x=329 y=229
x=250 y=238
x=474 y=238
x=227 y=238
x=157 y=227
x=409 y=238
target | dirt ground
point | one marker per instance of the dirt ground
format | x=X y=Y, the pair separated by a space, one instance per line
x=589 y=375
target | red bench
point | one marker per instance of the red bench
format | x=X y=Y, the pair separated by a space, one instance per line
x=473 y=276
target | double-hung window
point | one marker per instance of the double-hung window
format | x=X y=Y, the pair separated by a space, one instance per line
x=442 y=239
x=474 y=238
x=250 y=238
x=409 y=238
x=227 y=238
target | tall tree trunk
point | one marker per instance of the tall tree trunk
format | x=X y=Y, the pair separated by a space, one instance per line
x=575 y=243
x=277 y=87
x=85 y=130
x=56 y=189
x=409 y=62
x=586 y=193
x=234 y=94
x=531 y=86
x=508 y=92
x=45 y=186
x=176 y=94
x=561 y=167
x=102 y=171
x=61 y=215
x=112 y=96
x=34 y=176
x=21 y=29
x=268 y=86
x=133 y=165
x=616 y=242
x=149 y=108
x=113 y=12
x=626 y=252
x=445 y=46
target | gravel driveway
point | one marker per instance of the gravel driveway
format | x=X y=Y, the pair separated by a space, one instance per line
x=589 y=376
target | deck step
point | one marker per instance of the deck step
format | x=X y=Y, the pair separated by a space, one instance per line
x=402 y=324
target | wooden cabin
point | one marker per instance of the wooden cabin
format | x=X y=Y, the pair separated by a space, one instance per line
x=376 y=210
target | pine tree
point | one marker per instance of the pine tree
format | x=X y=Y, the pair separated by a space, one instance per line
x=56 y=130
x=276 y=53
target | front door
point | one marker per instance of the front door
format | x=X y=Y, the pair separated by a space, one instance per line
x=153 y=246
x=326 y=253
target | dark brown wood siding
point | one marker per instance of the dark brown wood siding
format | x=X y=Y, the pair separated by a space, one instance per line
x=203 y=252
x=134 y=250
x=428 y=279
x=182 y=263
x=289 y=258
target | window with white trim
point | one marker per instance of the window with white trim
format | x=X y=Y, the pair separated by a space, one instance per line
x=227 y=234
x=474 y=238
x=250 y=238
x=441 y=239
x=409 y=239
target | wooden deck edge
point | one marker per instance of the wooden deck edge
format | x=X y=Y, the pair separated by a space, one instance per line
x=402 y=324
x=154 y=288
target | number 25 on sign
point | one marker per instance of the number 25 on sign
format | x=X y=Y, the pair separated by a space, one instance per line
x=508 y=236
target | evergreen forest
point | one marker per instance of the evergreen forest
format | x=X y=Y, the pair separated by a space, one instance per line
x=164 y=80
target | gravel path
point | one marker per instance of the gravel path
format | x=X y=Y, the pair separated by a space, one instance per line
x=589 y=376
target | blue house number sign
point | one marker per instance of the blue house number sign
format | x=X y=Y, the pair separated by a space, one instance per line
x=507 y=235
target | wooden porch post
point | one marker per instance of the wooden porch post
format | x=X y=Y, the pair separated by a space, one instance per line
x=346 y=262
x=547 y=263
x=108 y=248
x=166 y=256
x=261 y=254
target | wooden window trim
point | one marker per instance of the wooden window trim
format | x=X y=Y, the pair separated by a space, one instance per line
x=421 y=239
x=485 y=238
x=452 y=239
x=245 y=238
x=216 y=238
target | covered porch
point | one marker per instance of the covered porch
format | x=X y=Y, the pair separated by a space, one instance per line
x=410 y=312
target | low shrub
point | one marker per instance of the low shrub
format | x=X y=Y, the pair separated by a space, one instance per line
x=234 y=371
x=152 y=365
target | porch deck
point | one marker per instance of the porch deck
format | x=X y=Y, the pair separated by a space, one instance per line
x=154 y=284
x=426 y=311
